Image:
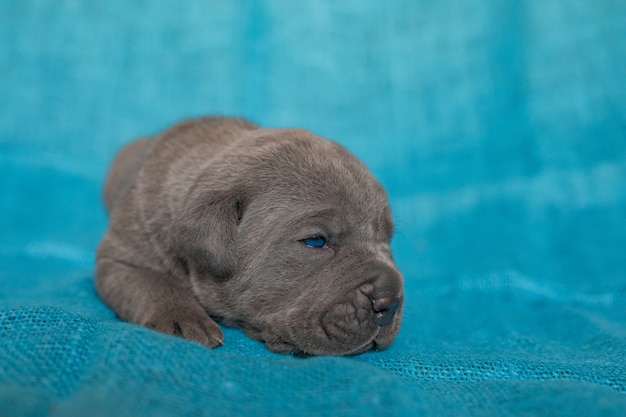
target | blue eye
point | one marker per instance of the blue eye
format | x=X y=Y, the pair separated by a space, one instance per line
x=314 y=242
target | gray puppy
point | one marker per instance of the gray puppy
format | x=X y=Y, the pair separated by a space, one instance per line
x=275 y=231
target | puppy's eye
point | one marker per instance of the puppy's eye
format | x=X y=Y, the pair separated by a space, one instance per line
x=317 y=242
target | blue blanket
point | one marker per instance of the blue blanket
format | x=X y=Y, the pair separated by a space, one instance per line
x=497 y=127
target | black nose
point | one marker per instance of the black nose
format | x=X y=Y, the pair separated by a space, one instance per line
x=385 y=308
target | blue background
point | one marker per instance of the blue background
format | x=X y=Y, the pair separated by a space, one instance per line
x=498 y=128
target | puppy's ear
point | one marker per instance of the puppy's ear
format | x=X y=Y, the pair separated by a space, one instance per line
x=204 y=234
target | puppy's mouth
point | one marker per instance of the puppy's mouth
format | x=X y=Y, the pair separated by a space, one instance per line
x=343 y=329
x=295 y=349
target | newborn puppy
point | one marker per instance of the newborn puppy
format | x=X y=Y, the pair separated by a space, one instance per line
x=275 y=231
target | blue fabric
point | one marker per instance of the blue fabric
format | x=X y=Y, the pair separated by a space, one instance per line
x=498 y=128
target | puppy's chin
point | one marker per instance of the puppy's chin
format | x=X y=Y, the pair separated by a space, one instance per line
x=380 y=339
x=277 y=345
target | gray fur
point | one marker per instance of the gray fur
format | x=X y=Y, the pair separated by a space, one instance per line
x=206 y=223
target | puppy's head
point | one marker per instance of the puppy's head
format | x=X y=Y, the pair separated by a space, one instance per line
x=286 y=235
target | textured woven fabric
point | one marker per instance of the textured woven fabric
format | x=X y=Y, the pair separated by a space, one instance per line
x=497 y=127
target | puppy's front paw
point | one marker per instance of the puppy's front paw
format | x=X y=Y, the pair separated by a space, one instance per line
x=188 y=322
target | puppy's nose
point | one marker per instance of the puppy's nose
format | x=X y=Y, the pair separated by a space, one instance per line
x=385 y=308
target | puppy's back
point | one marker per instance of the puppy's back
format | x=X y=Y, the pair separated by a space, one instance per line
x=124 y=171
x=130 y=158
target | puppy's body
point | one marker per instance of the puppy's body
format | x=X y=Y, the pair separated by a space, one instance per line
x=215 y=218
